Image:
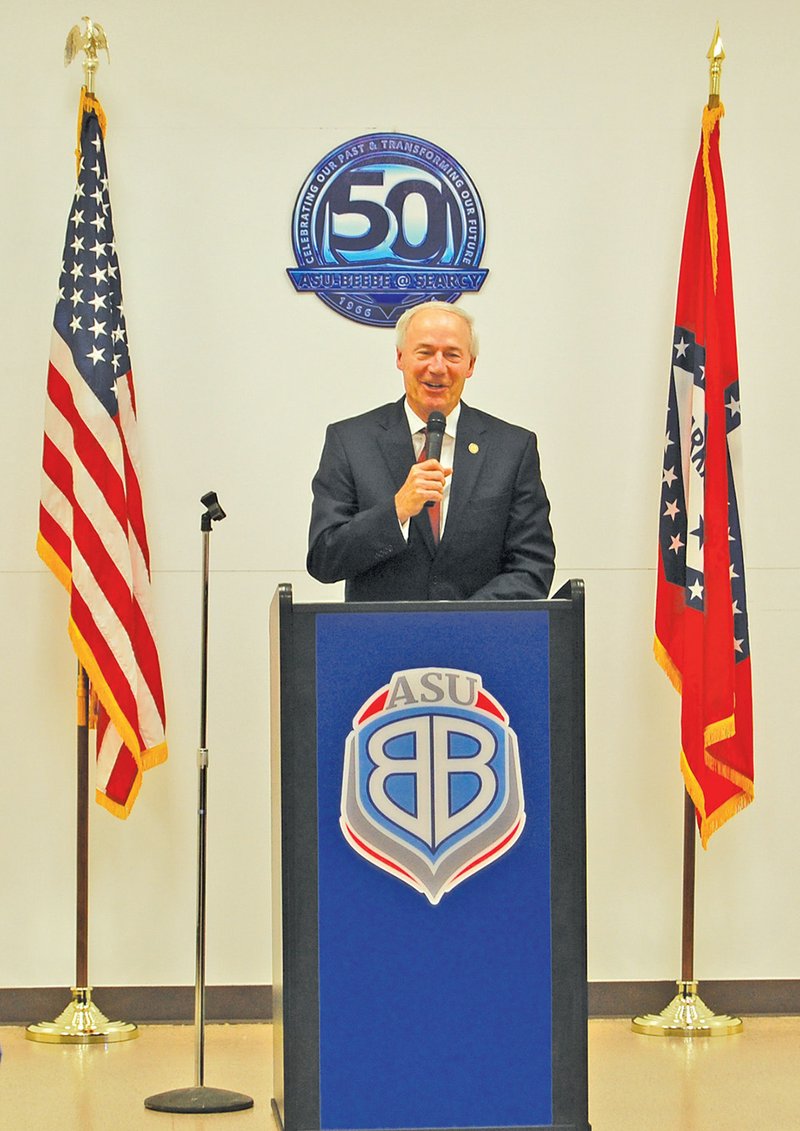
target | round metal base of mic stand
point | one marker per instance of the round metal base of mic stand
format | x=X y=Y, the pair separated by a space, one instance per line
x=191 y=1101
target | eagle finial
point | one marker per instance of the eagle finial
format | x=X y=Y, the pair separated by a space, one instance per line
x=92 y=38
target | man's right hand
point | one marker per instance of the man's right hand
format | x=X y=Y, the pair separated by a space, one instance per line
x=424 y=483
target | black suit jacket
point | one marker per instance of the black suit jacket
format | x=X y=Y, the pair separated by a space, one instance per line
x=497 y=541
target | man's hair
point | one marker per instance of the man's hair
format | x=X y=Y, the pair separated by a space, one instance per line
x=404 y=321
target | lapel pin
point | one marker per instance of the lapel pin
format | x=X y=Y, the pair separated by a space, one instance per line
x=474 y=449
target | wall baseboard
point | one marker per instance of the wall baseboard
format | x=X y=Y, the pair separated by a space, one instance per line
x=142 y=1005
x=174 y=1005
x=756 y=997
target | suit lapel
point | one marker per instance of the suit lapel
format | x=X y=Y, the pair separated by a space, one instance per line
x=394 y=441
x=472 y=449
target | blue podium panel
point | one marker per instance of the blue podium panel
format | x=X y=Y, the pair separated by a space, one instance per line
x=434 y=1014
x=428 y=862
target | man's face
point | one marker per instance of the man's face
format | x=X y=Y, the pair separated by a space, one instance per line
x=435 y=361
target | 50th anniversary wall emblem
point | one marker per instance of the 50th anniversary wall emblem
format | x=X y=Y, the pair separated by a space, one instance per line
x=432 y=786
x=386 y=221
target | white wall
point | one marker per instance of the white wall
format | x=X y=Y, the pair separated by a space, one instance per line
x=579 y=123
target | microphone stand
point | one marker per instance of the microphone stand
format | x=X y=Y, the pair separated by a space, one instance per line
x=190 y=1101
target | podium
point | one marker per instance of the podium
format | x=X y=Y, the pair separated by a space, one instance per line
x=428 y=865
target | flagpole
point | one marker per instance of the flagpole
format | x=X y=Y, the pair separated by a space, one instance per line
x=687 y=925
x=687 y=1015
x=82 y=1022
x=82 y=835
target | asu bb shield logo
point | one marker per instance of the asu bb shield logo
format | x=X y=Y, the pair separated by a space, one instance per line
x=432 y=788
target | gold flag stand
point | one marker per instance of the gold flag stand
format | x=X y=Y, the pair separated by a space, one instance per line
x=687 y=1015
x=82 y=1022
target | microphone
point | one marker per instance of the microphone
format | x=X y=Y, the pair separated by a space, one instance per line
x=435 y=434
x=434 y=437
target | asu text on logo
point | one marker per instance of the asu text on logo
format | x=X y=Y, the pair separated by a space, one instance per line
x=432 y=788
x=386 y=221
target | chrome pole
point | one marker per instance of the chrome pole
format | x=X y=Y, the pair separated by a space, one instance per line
x=190 y=1101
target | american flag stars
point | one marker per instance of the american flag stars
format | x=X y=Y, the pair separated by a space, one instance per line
x=89 y=313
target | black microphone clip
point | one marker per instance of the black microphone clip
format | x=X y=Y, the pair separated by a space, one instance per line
x=213 y=511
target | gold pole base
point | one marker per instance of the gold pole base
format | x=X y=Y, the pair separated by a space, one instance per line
x=687 y=1016
x=81 y=1023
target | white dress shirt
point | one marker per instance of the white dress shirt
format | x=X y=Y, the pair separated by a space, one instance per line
x=417 y=428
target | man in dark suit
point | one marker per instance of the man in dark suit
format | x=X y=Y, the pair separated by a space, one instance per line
x=486 y=534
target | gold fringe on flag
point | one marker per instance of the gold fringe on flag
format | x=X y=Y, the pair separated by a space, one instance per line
x=82 y=712
x=745 y=784
x=716 y=732
x=54 y=562
x=709 y=825
x=664 y=661
x=88 y=101
x=113 y=807
x=711 y=118
x=93 y=709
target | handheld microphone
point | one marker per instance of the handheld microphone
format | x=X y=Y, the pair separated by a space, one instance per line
x=435 y=435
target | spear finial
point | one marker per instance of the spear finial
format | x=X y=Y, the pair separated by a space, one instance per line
x=716 y=53
x=89 y=41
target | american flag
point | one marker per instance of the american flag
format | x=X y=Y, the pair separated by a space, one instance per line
x=91 y=523
x=702 y=639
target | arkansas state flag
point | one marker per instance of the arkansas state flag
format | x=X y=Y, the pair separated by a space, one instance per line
x=701 y=638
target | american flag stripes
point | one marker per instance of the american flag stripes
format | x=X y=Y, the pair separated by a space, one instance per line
x=91 y=523
x=702 y=638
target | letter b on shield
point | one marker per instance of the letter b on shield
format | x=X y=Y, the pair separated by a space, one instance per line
x=432 y=795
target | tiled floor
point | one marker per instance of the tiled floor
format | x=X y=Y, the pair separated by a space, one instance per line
x=749 y=1082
